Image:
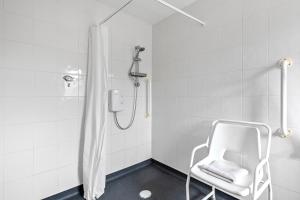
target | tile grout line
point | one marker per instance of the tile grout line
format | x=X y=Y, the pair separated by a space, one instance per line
x=243 y=60
x=268 y=59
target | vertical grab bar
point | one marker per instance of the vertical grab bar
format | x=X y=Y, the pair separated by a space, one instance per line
x=284 y=64
x=148 y=97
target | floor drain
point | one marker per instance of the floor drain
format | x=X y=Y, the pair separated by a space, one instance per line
x=145 y=194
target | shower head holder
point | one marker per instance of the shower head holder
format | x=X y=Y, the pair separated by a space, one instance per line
x=286 y=62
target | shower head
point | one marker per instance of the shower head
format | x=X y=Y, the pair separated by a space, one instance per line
x=136 y=74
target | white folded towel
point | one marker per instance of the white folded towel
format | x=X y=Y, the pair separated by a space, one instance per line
x=225 y=170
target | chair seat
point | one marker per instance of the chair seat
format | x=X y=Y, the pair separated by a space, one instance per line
x=244 y=189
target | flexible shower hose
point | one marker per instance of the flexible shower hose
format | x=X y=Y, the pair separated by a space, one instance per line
x=132 y=114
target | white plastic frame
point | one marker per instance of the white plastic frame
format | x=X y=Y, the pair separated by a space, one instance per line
x=258 y=186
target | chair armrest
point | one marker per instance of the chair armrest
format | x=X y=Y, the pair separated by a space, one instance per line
x=195 y=150
x=257 y=191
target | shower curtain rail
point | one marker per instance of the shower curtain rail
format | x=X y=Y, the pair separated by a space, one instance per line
x=159 y=1
x=180 y=11
x=115 y=12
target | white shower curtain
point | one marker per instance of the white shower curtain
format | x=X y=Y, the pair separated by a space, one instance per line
x=95 y=118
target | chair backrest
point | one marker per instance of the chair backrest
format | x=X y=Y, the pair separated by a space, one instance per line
x=239 y=138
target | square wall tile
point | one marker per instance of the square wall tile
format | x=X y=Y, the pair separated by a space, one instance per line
x=214 y=107
x=17 y=28
x=124 y=85
x=67 y=37
x=2 y=20
x=45 y=58
x=274 y=112
x=232 y=107
x=82 y=85
x=116 y=161
x=45 y=109
x=117 y=142
x=68 y=108
x=69 y=131
x=20 y=7
x=46 y=10
x=256 y=55
x=82 y=62
x=291 y=181
x=256 y=82
x=69 y=177
x=82 y=38
x=16 y=55
x=285 y=148
x=293 y=111
x=70 y=11
x=46 y=184
x=20 y=189
x=1 y=187
x=256 y=34
x=1 y=173
x=122 y=52
x=11 y=110
x=131 y=139
x=275 y=81
x=46 y=34
x=69 y=62
x=2 y=134
x=18 y=165
x=15 y=83
x=293 y=79
x=282 y=193
x=46 y=134
x=131 y=156
x=45 y=159
x=18 y=138
x=256 y=109
x=68 y=153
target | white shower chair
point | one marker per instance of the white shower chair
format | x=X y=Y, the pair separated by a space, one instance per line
x=244 y=139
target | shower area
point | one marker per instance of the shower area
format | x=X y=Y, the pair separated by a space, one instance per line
x=129 y=73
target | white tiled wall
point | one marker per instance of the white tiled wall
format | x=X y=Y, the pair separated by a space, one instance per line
x=132 y=146
x=40 y=118
x=227 y=69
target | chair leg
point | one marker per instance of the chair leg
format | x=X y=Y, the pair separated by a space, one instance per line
x=270 y=190
x=214 y=193
x=187 y=186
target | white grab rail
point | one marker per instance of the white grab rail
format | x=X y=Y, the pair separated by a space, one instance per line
x=284 y=63
x=148 y=97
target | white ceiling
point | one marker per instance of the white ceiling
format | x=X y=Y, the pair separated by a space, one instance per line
x=148 y=10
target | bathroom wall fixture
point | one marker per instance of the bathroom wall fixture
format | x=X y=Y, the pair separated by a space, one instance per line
x=69 y=79
x=284 y=63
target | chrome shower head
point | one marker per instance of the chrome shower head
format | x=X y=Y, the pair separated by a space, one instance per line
x=136 y=74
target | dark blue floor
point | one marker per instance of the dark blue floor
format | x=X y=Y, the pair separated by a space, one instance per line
x=163 y=183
